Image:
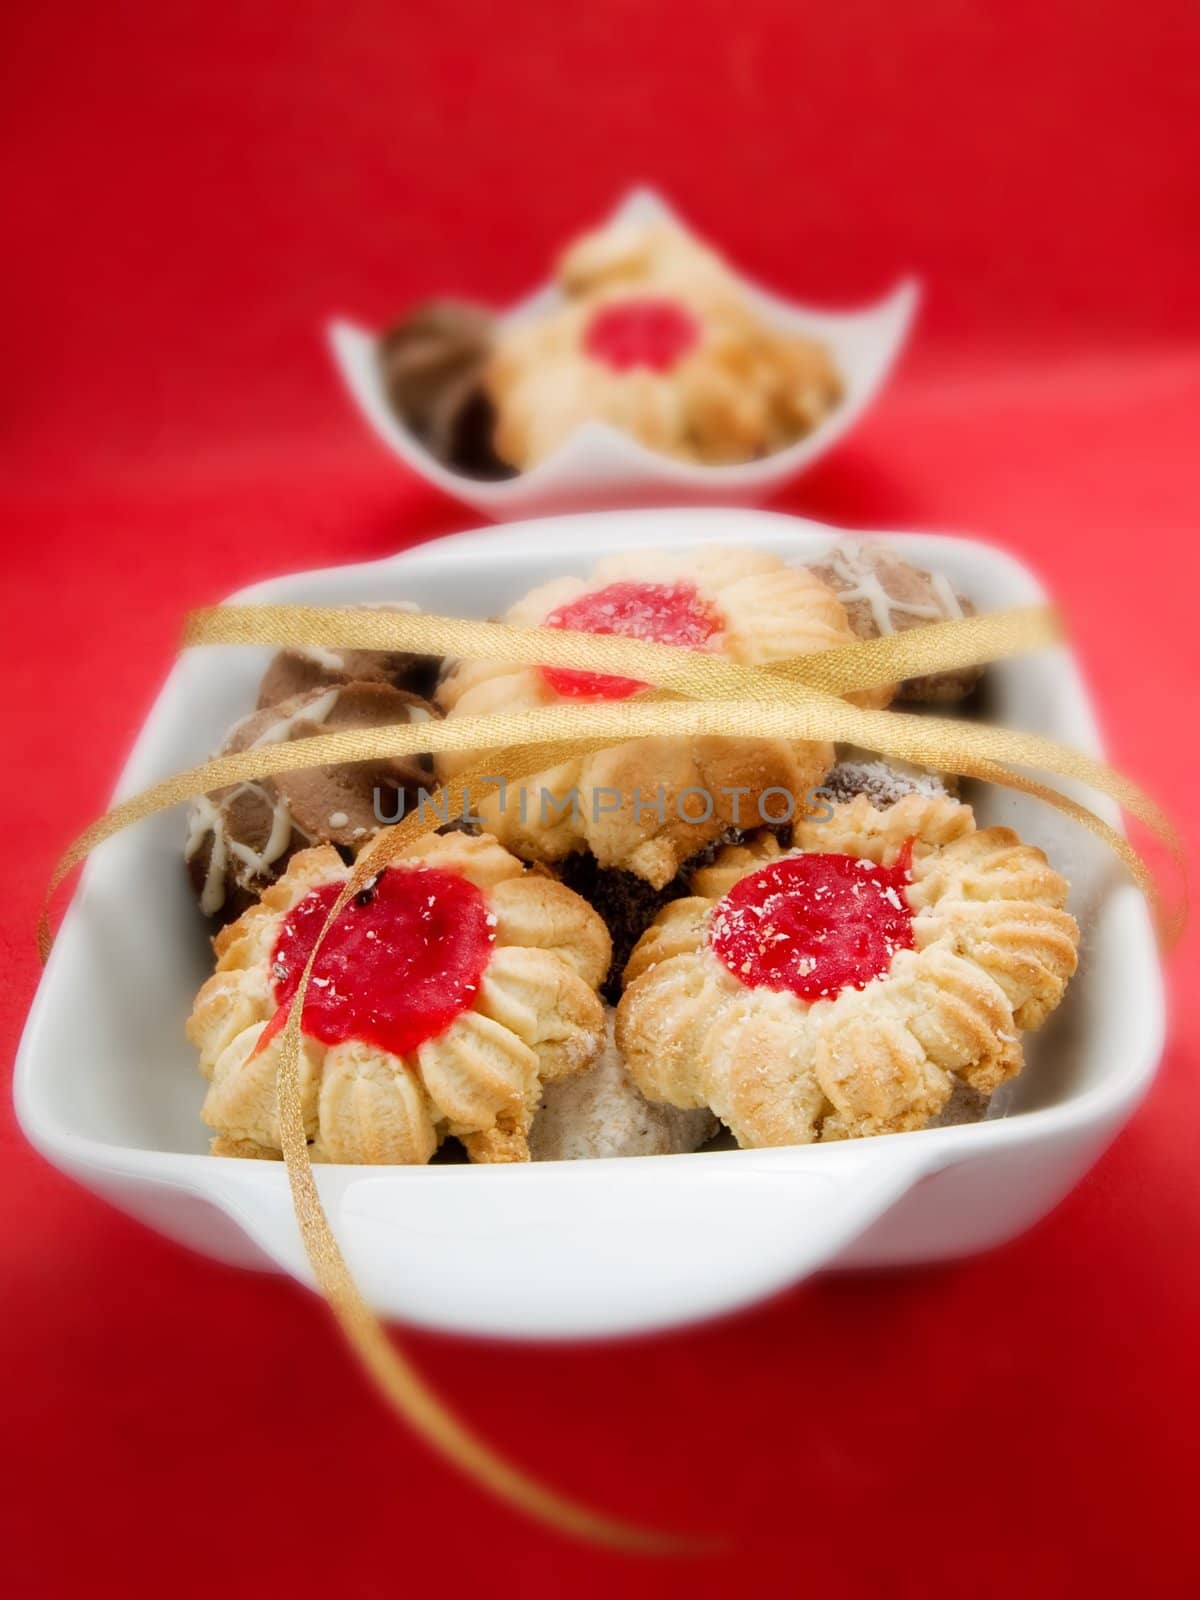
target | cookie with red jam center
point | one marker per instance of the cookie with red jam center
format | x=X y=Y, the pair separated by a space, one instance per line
x=645 y=806
x=404 y=958
x=445 y=993
x=645 y=331
x=930 y=945
x=815 y=924
x=660 y=613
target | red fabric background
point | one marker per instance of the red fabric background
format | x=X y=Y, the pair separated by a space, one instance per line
x=193 y=187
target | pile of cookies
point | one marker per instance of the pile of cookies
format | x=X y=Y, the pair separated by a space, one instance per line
x=646 y=947
x=652 y=334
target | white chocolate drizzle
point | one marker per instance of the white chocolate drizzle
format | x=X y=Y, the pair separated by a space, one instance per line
x=854 y=568
x=281 y=731
x=208 y=818
x=328 y=659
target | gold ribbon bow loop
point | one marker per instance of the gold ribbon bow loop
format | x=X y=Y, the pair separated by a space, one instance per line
x=693 y=693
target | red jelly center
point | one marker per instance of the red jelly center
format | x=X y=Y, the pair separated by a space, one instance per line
x=663 y=613
x=643 y=332
x=404 y=958
x=815 y=924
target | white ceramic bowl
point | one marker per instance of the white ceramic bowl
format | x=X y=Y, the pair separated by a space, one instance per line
x=603 y=466
x=107 y=1088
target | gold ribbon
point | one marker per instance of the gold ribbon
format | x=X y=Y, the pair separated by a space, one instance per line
x=797 y=699
x=935 y=647
x=396 y=1377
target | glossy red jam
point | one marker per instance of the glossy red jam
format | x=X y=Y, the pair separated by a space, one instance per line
x=663 y=613
x=815 y=924
x=647 y=331
x=404 y=958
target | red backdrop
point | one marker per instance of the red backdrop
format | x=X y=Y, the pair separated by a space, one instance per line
x=192 y=188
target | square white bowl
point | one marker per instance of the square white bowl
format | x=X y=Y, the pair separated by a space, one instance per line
x=107 y=1088
x=602 y=466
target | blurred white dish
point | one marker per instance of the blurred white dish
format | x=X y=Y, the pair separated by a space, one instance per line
x=602 y=466
x=107 y=1086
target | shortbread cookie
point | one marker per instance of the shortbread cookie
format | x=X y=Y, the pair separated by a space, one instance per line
x=844 y=987
x=883 y=594
x=650 y=255
x=603 y=1113
x=241 y=838
x=657 y=338
x=743 y=603
x=446 y=994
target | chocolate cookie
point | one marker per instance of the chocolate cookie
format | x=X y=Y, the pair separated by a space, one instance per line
x=299 y=670
x=627 y=903
x=432 y=363
x=883 y=594
x=883 y=782
x=241 y=838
